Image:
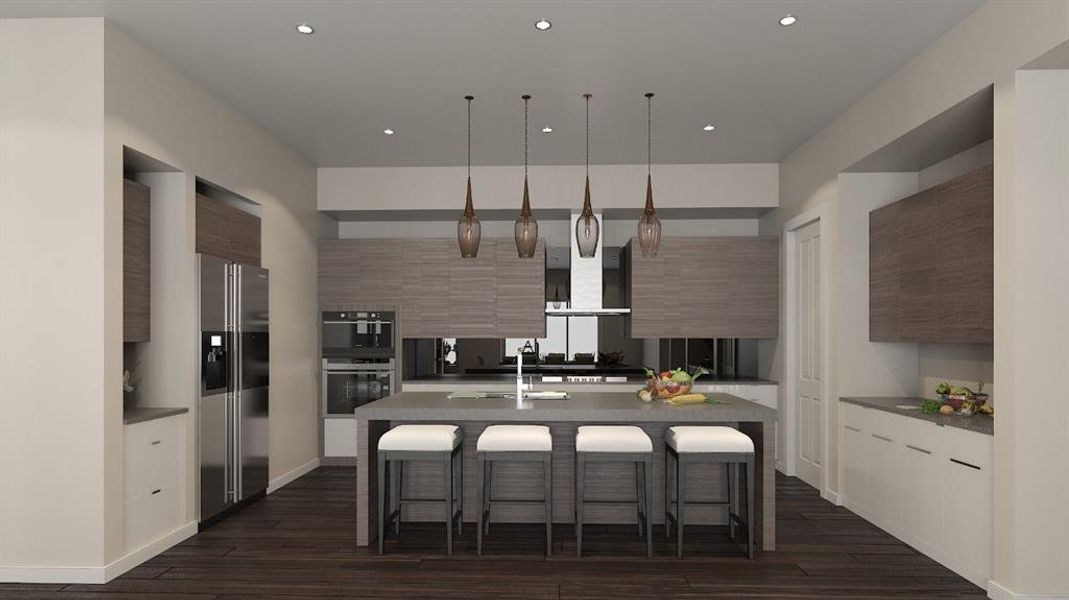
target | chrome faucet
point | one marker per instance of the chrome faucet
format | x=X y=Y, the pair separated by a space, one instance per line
x=519 y=369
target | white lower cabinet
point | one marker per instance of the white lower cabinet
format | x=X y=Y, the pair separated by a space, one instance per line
x=928 y=485
x=153 y=480
x=339 y=436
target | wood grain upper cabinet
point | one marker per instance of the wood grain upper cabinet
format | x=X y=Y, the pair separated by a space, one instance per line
x=931 y=264
x=437 y=293
x=227 y=232
x=521 y=288
x=705 y=287
x=136 y=262
x=364 y=274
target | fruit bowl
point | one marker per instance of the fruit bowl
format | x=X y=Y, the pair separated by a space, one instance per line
x=664 y=389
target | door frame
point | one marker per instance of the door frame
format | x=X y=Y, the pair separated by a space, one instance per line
x=790 y=346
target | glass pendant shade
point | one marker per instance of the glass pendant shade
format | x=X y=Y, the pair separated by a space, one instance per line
x=587 y=228
x=526 y=227
x=649 y=226
x=469 y=230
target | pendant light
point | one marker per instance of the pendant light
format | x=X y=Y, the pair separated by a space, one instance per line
x=526 y=225
x=649 y=226
x=469 y=230
x=586 y=226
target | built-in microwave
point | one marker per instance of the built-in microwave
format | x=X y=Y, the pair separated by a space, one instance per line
x=348 y=334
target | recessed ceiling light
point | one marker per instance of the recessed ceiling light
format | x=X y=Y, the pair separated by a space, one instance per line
x=388 y=131
x=788 y=20
x=708 y=128
x=543 y=24
x=305 y=28
x=547 y=130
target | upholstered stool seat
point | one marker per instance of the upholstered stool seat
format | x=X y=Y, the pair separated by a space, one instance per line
x=689 y=444
x=515 y=438
x=691 y=438
x=615 y=444
x=416 y=438
x=612 y=438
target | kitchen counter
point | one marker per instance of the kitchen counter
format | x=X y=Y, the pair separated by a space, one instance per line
x=141 y=414
x=563 y=416
x=636 y=380
x=978 y=423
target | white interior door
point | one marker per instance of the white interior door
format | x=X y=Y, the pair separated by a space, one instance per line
x=809 y=400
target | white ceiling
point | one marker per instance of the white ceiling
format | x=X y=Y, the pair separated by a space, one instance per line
x=407 y=65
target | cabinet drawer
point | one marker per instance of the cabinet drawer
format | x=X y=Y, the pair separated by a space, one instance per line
x=854 y=416
x=153 y=451
x=150 y=514
x=973 y=449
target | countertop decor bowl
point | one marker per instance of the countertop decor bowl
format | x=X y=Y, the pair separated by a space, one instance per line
x=667 y=389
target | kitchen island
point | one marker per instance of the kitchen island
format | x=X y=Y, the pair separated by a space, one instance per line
x=563 y=416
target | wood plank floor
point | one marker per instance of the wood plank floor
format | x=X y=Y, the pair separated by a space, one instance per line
x=297 y=544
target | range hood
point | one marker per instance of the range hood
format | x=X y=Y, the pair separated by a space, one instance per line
x=586 y=276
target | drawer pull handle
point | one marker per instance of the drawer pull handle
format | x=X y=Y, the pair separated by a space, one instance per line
x=880 y=437
x=965 y=464
x=922 y=450
x=852 y=428
x=156 y=491
x=156 y=442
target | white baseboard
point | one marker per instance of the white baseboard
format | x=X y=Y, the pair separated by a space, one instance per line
x=286 y=478
x=149 y=550
x=834 y=497
x=97 y=574
x=999 y=592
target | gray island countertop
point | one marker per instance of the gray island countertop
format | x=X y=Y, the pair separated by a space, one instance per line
x=622 y=407
x=984 y=424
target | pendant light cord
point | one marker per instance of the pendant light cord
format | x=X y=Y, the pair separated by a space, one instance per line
x=469 y=99
x=525 y=99
x=649 y=133
x=587 y=96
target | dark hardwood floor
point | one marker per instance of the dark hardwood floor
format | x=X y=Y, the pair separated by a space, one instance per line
x=298 y=544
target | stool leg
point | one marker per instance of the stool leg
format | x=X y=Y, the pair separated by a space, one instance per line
x=667 y=495
x=751 y=517
x=732 y=471
x=382 y=500
x=681 y=487
x=460 y=490
x=488 y=498
x=397 y=473
x=447 y=479
x=638 y=497
x=547 y=468
x=480 y=491
x=647 y=496
x=580 y=478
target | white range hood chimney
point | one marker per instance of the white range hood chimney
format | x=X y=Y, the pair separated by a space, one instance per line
x=586 y=279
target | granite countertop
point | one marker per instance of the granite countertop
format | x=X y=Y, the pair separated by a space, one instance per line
x=140 y=414
x=978 y=423
x=579 y=407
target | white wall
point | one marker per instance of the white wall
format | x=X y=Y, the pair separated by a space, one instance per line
x=1032 y=482
x=552 y=187
x=53 y=301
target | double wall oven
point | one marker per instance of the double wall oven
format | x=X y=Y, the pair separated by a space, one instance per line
x=358 y=359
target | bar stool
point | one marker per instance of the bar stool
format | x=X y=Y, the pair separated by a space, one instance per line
x=615 y=444
x=709 y=444
x=513 y=443
x=440 y=443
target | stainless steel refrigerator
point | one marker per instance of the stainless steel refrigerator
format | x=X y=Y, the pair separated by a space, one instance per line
x=232 y=422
